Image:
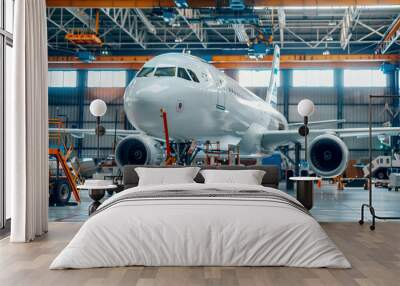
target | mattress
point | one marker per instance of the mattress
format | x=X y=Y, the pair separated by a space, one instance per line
x=201 y=225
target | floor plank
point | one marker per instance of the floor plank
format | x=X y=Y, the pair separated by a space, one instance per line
x=375 y=256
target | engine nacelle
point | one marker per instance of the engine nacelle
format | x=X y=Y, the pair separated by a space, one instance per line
x=138 y=150
x=328 y=155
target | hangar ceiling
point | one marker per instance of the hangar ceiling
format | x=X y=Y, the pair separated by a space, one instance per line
x=310 y=30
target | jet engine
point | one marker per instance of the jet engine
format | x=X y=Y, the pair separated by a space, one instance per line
x=328 y=155
x=138 y=150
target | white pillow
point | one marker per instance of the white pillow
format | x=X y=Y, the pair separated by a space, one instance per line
x=248 y=177
x=166 y=176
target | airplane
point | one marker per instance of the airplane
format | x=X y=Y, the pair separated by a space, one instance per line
x=203 y=104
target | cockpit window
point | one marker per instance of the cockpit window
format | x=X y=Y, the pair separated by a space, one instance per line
x=193 y=75
x=167 y=71
x=145 y=72
x=182 y=73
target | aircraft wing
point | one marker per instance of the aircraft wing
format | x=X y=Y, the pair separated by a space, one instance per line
x=80 y=133
x=364 y=132
x=298 y=124
x=284 y=136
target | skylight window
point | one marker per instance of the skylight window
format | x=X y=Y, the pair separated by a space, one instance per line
x=62 y=78
x=106 y=78
x=313 y=78
x=255 y=78
x=364 y=78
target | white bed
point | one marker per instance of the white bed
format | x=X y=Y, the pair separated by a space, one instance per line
x=184 y=230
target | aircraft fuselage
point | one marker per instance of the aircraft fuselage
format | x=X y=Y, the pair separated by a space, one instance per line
x=205 y=106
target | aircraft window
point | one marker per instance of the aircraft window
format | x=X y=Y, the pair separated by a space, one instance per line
x=193 y=75
x=145 y=72
x=168 y=71
x=182 y=73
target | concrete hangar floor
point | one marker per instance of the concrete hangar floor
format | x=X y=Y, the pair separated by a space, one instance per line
x=330 y=204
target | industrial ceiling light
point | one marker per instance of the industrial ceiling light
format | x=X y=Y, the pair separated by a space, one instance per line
x=181 y=3
x=329 y=38
x=105 y=52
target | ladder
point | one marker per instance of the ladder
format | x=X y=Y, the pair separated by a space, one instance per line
x=71 y=172
x=69 y=155
x=70 y=177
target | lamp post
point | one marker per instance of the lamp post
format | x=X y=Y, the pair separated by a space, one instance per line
x=305 y=109
x=98 y=108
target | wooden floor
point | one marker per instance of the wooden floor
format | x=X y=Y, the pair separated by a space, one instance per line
x=375 y=257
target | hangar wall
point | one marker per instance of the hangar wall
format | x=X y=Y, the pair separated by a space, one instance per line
x=72 y=104
x=353 y=107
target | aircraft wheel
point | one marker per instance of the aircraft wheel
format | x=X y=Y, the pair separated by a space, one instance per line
x=361 y=222
x=372 y=227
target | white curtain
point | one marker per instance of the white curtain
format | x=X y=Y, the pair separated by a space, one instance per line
x=27 y=124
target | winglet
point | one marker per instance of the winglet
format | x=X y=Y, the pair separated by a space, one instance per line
x=271 y=96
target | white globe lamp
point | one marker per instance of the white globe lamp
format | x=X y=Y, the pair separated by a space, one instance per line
x=98 y=107
x=305 y=107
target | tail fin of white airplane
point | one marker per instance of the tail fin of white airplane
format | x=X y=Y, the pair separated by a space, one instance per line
x=272 y=92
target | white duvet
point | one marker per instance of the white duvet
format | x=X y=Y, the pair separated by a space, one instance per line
x=200 y=231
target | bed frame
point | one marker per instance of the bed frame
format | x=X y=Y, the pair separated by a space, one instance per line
x=270 y=179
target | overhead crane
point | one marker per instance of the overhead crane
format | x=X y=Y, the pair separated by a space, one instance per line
x=83 y=37
x=236 y=61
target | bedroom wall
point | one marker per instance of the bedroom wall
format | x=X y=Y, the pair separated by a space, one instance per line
x=74 y=104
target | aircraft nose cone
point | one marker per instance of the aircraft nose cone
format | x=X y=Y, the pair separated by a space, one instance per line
x=143 y=101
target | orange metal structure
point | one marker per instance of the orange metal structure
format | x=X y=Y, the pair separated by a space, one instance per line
x=71 y=174
x=169 y=160
x=70 y=178
x=236 y=61
x=392 y=35
x=84 y=39
x=58 y=124
x=80 y=37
